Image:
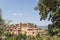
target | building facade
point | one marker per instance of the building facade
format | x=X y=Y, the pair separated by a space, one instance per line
x=29 y=29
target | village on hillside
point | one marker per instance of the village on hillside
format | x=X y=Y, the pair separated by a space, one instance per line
x=22 y=29
x=28 y=28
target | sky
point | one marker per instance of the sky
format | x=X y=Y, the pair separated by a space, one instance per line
x=21 y=11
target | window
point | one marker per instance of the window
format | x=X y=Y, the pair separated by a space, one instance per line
x=30 y=29
x=33 y=32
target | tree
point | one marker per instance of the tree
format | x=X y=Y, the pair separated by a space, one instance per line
x=7 y=34
x=0 y=18
x=50 y=9
x=2 y=25
x=21 y=37
x=38 y=37
x=30 y=37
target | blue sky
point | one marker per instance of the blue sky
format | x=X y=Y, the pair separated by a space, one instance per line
x=21 y=11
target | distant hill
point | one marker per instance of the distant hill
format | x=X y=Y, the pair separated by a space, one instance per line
x=42 y=27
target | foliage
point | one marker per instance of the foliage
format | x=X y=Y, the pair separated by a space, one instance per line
x=2 y=24
x=21 y=37
x=50 y=9
x=30 y=37
x=38 y=37
x=7 y=34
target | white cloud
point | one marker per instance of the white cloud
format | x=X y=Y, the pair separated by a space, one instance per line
x=17 y=14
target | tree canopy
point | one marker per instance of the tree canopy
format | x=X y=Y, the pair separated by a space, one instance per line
x=2 y=25
x=50 y=9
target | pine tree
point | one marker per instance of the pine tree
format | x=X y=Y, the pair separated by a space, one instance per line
x=2 y=21
x=0 y=17
x=2 y=24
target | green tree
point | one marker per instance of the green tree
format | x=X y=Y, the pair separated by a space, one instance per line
x=38 y=37
x=7 y=34
x=21 y=37
x=30 y=37
x=2 y=24
x=50 y=9
x=2 y=21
